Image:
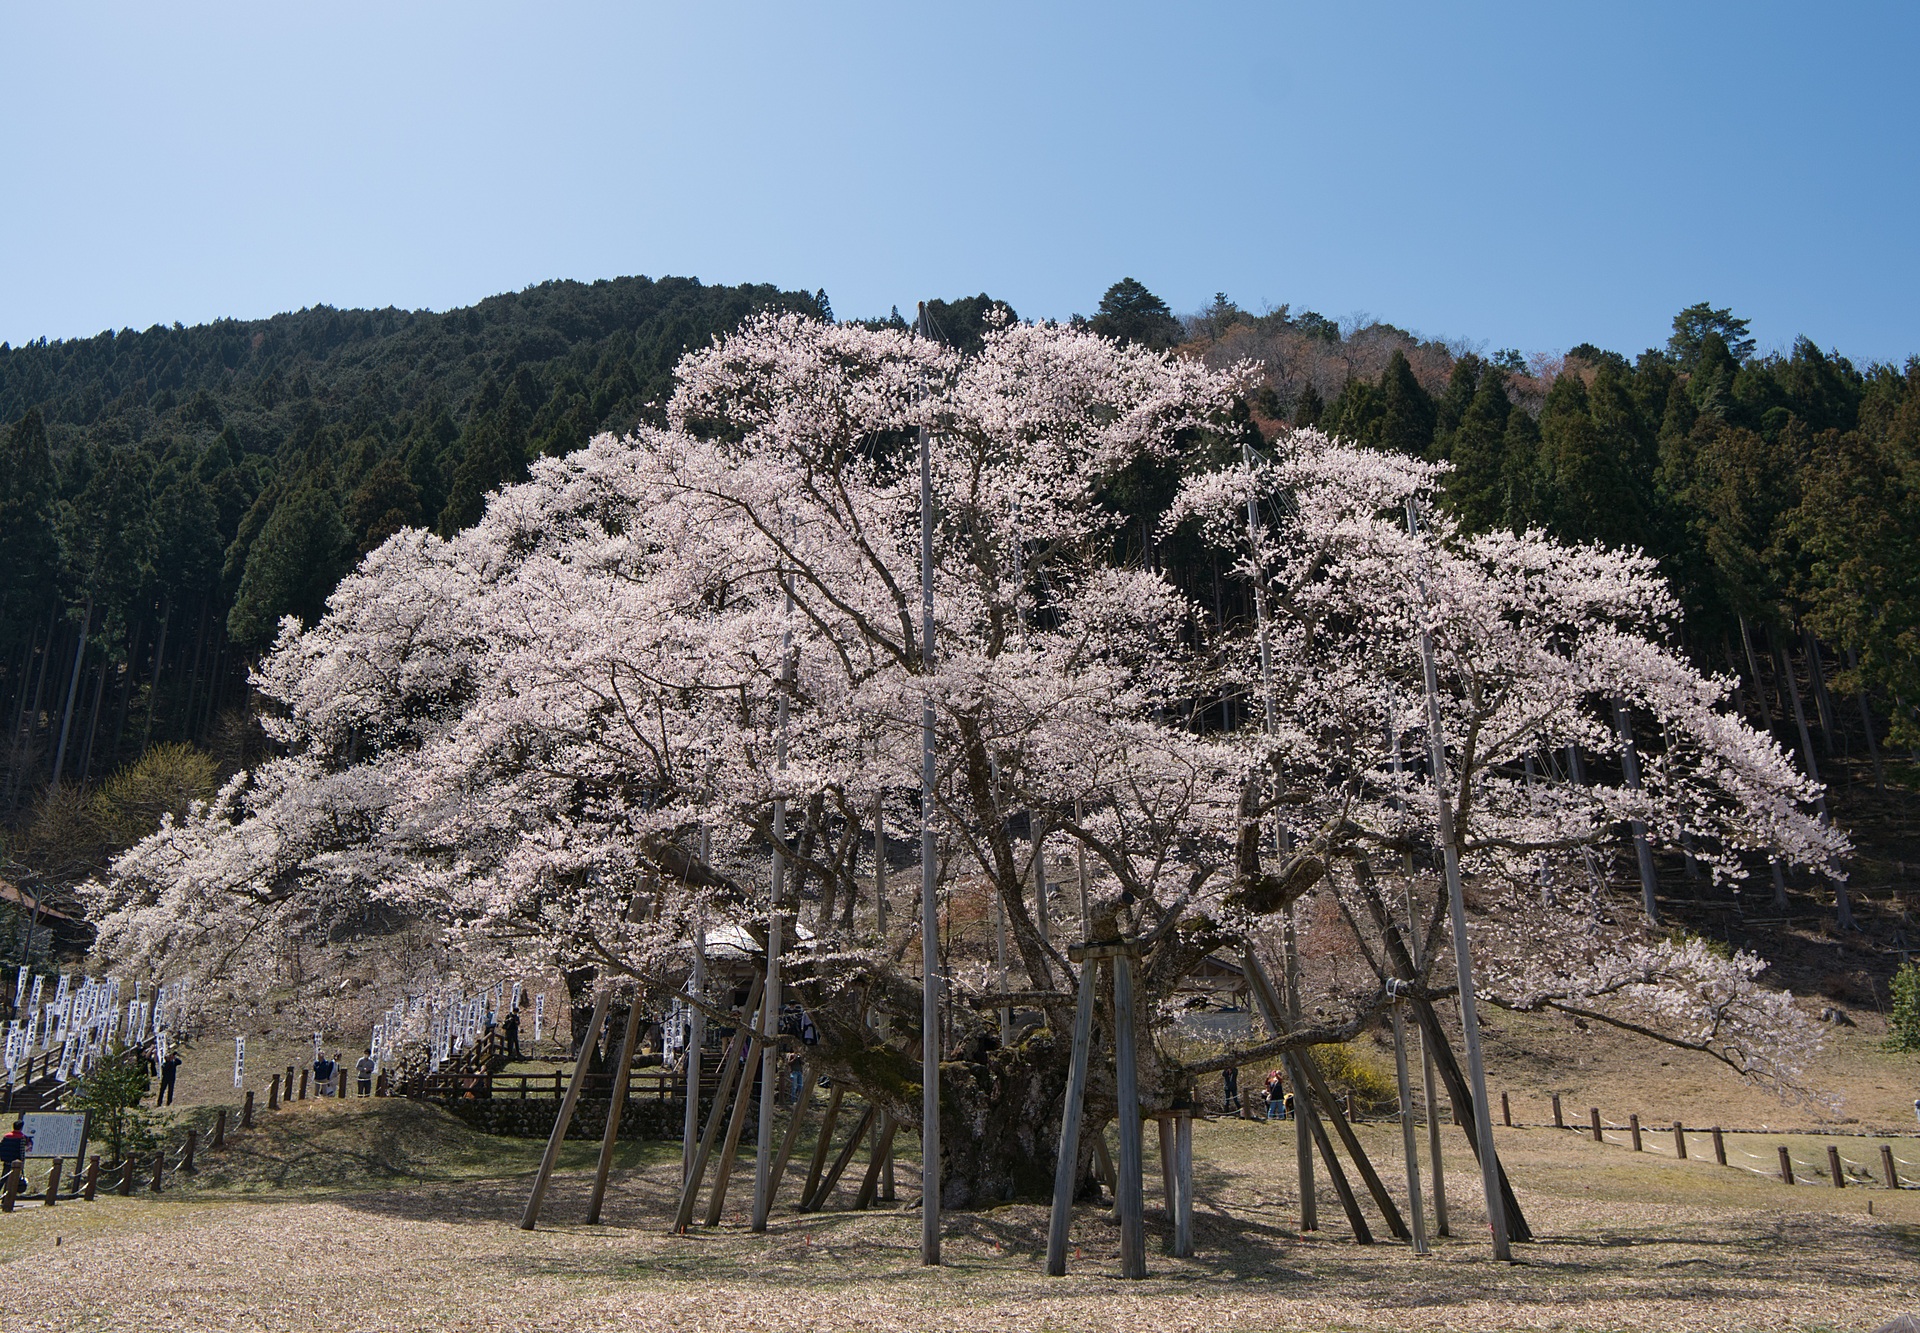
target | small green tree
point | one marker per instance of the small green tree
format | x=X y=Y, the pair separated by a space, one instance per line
x=112 y=1093
x=1903 y=1025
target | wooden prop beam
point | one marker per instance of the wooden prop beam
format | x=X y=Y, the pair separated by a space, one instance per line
x=616 y=1103
x=742 y=1098
x=1183 y=1184
x=1133 y=1236
x=1362 y=1163
x=825 y=1192
x=822 y=1145
x=1409 y=1142
x=882 y=1146
x=798 y=1114
x=531 y=1218
x=729 y=1069
x=1066 y=1171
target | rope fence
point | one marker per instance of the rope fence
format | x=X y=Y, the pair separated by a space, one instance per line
x=1681 y=1143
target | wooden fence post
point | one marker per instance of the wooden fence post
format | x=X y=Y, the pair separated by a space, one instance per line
x=1834 y=1169
x=1506 y=1111
x=1786 y=1165
x=53 y=1182
x=159 y=1167
x=1719 y=1147
x=93 y=1177
x=1593 y=1118
x=127 y=1168
x=303 y=1085
x=1633 y=1128
x=246 y=1111
x=1559 y=1122
x=1679 y=1141
x=11 y=1188
x=220 y=1129
x=186 y=1161
x=1886 y=1167
x=273 y=1097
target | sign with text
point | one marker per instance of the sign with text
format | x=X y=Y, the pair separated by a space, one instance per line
x=55 y=1133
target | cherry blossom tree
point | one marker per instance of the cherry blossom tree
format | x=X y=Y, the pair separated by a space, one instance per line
x=705 y=636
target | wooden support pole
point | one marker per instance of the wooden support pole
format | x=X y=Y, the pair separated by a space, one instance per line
x=1834 y=1168
x=792 y=1136
x=1303 y=1107
x=1133 y=1236
x=564 y=1116
x=303 y=1085
x=10 y=1188
x=729 y=1068
x=1183 y=1185
x=1409 y=1142
x=273 y=1094
x=53 y=1182
x=822 y=1146
x=616 y=1103
x=832 y=1178
x=93 y=1177
x=882 y=1145
x=159 y=1167
x=1593 y=1118
x=1559 y=1120
x=1786 y=1165
x=127 y=1168
x=1517 y=1229
x=1633 y=1128
x=220 y=1129
x=1679 y=1141
x=1349 y=1140
x=1066 y=1169
x=1163 y=1122
x=1506 y=1111
x=1886 y=1167
x=737 y=1121
x=1103 y=1163
x=1719 y=1147
x=246 y=1111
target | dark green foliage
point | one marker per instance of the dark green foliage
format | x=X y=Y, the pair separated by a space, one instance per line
x=175 y=492
x=1692 y=326
x=1406 y=412
x=111 y=1092
x=1903 y=1021
x=301 y=552
x=1308 y=407
x=1129 y=313
x=962 y=324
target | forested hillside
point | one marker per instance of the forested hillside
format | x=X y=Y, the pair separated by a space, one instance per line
x=167 y=496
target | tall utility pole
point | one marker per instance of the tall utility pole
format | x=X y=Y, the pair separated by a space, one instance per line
x=1302 y=1131
x=929 y=906
x=1456 y=902
x=776 y=900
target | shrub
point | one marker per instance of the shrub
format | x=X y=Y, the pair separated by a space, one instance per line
x=1348 y=1069
x=1903 y=1024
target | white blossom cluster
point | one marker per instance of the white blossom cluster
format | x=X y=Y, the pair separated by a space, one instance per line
x=521 y=734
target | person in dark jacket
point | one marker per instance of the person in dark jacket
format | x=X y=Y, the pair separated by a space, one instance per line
x=169 y=1067
x=13 y=1149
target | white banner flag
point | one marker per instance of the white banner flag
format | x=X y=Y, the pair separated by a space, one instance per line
x=539 y=1015
x=239 y=1061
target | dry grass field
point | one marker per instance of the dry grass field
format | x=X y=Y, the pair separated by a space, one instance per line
x=389 y=1216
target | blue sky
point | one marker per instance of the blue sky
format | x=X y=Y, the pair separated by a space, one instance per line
x=1512 y=175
